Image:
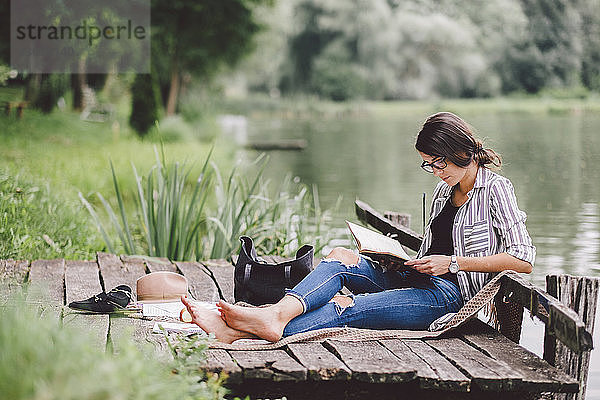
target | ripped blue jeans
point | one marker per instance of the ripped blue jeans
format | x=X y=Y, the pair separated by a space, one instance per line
x=380 y=300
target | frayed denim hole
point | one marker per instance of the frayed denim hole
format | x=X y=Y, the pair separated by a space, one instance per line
x=334 y=260
x=339 y=308
x=330 y=260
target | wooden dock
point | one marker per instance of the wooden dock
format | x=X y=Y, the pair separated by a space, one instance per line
x=478 y=362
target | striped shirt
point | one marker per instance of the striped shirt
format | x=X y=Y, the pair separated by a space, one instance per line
x=488 y=223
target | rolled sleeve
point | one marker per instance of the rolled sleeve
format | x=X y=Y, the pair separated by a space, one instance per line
x=509 y=221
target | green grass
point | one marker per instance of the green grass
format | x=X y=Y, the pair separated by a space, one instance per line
x=52 y=158
x=516 y=105
x=74 y=155
x=35 y=223
x=42 y=360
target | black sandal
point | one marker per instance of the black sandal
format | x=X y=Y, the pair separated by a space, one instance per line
x=117 y=299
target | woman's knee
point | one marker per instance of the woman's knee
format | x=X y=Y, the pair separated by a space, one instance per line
x=343 y=255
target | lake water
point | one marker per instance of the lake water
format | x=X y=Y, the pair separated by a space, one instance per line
x=552 y=161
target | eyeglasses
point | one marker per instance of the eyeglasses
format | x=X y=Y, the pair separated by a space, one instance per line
x=437 y=163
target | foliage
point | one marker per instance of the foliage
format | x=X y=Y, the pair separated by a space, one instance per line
x=422 y=49
x=590 y=30
x=278 y=224
x=144 y=106
x=198 y=38
x=176 y=129
x=334 y=77
x=52 y=87
x=205 y=221
x=5 y=72
x=36 y=223
x=51 y=362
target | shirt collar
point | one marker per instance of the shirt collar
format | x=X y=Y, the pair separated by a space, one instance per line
x=481 y=180
x=483 y=175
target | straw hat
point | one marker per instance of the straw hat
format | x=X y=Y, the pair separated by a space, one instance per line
x=162 y=286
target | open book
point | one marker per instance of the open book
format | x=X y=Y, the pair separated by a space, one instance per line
x=377 y=246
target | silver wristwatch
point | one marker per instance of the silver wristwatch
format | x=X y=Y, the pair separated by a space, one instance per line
x=453 y=268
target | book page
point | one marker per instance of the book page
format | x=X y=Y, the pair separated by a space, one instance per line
x=170 y=309
x=178 y=327
x=371 y=242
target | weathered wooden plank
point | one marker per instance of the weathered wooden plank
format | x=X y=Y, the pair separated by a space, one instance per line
x=404 y=235
x=160 y=264
x=485 y=372
x=222 y=272
x=580 y=294
x=13 y=274
x=48 y=276
x=271 y=365
x=116 y=272
x=536 y=374
x=124 y=328
x=433 y=371
x=278 y=144
x=131 y=260
x=14 y=271
x=399 y=218
x=82 y=281
x=561 y=321
x=47 y=286
x=371 y=362
x=320 y=363
x=201 y=285
x=218 y=360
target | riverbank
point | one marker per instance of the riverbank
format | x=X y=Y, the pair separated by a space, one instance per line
x=262 y=105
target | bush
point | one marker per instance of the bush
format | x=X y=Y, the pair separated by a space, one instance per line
x=562 y=93
x=172 y=129
x=41 y=360
x=144 y=106
x=52 y=87
x=334 y=76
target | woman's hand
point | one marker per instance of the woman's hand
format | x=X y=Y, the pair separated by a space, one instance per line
x=432 y=265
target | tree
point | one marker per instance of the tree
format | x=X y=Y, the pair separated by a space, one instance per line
x=199 y=37
x=554 y=34
x=144 y=108
x=52 y=87
x=590 y=26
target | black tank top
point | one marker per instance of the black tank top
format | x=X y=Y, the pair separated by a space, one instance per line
x=441 y=240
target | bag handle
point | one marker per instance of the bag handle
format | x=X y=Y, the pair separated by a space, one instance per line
x=288 y=274
x=247 y=271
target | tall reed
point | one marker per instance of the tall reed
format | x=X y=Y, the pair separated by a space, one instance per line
x=204 y=220
x=169 y=215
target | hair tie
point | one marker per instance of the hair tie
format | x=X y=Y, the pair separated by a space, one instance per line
x=478 y=148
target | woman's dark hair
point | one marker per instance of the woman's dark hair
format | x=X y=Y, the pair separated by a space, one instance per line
x=447 y=135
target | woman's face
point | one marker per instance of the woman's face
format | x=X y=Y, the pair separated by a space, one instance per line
x=451 y=173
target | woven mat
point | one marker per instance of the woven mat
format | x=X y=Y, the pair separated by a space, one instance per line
x=469 y=310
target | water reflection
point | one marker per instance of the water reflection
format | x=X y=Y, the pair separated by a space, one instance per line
x=586 y=244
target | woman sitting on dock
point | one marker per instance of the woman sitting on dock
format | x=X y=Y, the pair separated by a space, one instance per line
x=475 y=230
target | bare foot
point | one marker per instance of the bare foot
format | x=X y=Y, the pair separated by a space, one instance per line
x=211 y=322
x=267 y=323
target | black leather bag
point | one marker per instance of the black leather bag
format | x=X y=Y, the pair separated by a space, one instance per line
x=258 y=282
